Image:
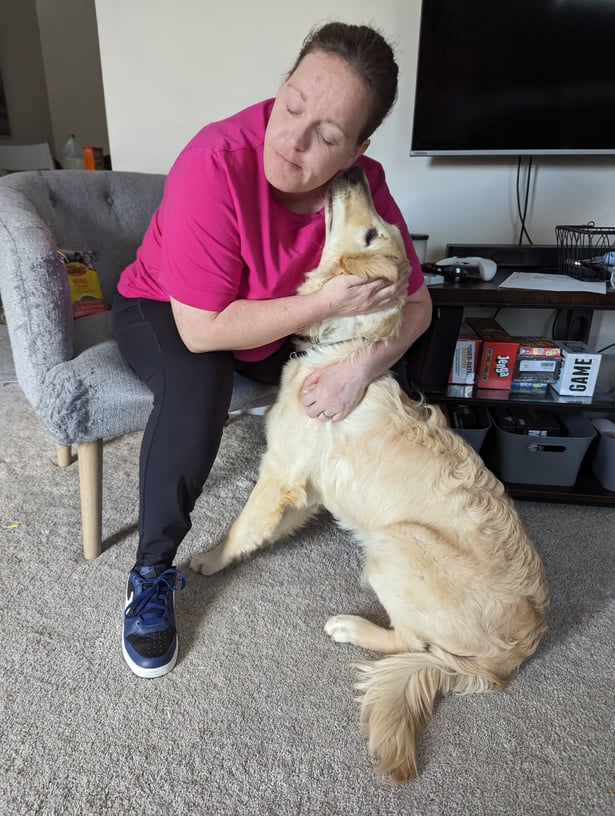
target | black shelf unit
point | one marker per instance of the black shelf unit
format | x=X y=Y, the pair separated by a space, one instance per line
x=474 y=293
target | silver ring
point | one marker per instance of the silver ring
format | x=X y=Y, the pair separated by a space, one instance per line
x=326 y=416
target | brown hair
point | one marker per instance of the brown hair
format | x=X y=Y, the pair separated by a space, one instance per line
x=365 y=51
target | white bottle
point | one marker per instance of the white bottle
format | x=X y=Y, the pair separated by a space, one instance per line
x=72 y=154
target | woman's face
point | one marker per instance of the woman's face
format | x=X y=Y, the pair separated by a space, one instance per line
x=316 y=119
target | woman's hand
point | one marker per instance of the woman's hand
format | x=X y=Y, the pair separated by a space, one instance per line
x=246 y=324
x=332 y=392
x=345 y=295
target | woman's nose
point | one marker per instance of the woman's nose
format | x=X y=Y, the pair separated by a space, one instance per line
x=299 y=136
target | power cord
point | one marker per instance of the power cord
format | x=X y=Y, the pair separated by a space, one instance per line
x=555 y=329
x=523 y=212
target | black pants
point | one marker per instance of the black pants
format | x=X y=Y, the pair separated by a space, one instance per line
x=192 y=394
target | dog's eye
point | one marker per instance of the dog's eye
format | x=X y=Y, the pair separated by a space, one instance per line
x=370 y=235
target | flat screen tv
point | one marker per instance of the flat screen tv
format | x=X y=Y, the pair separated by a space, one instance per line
x=515 y=77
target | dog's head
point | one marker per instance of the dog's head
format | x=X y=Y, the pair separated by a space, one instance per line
x=357 y=238
x=358 y=242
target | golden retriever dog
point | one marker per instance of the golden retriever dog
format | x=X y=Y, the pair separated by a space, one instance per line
x=444 y=548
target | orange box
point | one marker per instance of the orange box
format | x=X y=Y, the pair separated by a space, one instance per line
x=93 y=158
x=499 y=354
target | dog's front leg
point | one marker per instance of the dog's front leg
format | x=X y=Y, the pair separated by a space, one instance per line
x=273 y=510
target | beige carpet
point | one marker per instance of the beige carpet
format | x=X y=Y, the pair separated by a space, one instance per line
x=258 y=716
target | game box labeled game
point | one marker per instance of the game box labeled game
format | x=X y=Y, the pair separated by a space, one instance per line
x=578 y=371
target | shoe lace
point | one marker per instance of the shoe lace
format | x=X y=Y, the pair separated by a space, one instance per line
x=151 y=601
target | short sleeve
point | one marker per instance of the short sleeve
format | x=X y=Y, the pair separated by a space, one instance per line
x=200 y=256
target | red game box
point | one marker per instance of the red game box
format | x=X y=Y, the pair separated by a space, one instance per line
x=499 y=354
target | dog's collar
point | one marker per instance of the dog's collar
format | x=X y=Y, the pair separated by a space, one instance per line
x=302 y=352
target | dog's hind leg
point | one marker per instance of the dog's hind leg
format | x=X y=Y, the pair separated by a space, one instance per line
x=391 y=564
x=361 y=632
x=273 y=510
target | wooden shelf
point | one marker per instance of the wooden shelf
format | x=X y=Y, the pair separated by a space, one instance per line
x=475 y=292
x=586 y=490
x=494 y=396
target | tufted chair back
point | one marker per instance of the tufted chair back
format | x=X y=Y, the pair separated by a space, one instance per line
x=71 y=371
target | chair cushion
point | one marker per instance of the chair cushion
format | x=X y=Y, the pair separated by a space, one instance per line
x=97 y=389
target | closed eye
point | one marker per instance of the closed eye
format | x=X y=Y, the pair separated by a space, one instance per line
x=328 y=142
x=370 y=235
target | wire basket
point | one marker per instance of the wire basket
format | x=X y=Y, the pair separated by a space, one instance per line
x=586 y=252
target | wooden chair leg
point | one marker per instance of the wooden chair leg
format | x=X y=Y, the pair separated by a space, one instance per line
x=89 y=455
x=65 y=455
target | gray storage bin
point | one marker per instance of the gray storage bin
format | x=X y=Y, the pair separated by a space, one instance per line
x=603 y=465
x=471 y=423
x=541 y=460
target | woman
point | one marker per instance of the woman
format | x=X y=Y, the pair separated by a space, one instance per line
x=212 y=292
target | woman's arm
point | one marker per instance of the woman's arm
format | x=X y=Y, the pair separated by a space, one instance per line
x=332 y=392
x=247 y=324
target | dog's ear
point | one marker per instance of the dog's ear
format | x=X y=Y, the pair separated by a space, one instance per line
x=369 y=266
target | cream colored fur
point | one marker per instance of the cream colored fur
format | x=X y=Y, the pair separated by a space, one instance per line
x=444 y=549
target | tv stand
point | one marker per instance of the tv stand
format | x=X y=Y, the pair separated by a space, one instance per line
x=580 y=307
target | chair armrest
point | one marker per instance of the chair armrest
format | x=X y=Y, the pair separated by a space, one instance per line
x=34 y=291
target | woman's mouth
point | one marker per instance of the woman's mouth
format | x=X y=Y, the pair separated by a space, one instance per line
x=288 y=162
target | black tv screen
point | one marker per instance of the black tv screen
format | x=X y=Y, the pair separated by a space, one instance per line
x=515 y=77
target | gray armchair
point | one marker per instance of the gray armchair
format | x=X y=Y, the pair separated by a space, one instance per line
x=71 y=371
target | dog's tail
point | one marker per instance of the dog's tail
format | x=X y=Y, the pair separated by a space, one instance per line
x=398 y=693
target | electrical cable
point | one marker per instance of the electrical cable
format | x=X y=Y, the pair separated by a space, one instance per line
x=523 y=212
x=554 y=326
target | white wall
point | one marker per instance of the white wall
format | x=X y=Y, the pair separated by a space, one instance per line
x=23 y=74
x=169 y=68
x=71 y=59
x=50 y=64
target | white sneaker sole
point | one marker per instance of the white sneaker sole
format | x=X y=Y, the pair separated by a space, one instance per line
x=148 y=674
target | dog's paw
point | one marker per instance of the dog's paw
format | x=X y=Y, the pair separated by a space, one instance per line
x=207 y=563
x=342 y=628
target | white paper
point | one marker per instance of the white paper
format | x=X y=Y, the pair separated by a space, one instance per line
x=543 y=282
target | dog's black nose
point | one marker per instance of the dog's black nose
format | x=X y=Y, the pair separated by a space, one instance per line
x=355 y=175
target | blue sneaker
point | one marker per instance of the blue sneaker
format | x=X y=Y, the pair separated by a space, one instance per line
x=149 y=642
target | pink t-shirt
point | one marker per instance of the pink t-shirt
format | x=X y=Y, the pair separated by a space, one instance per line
x=220 y=234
